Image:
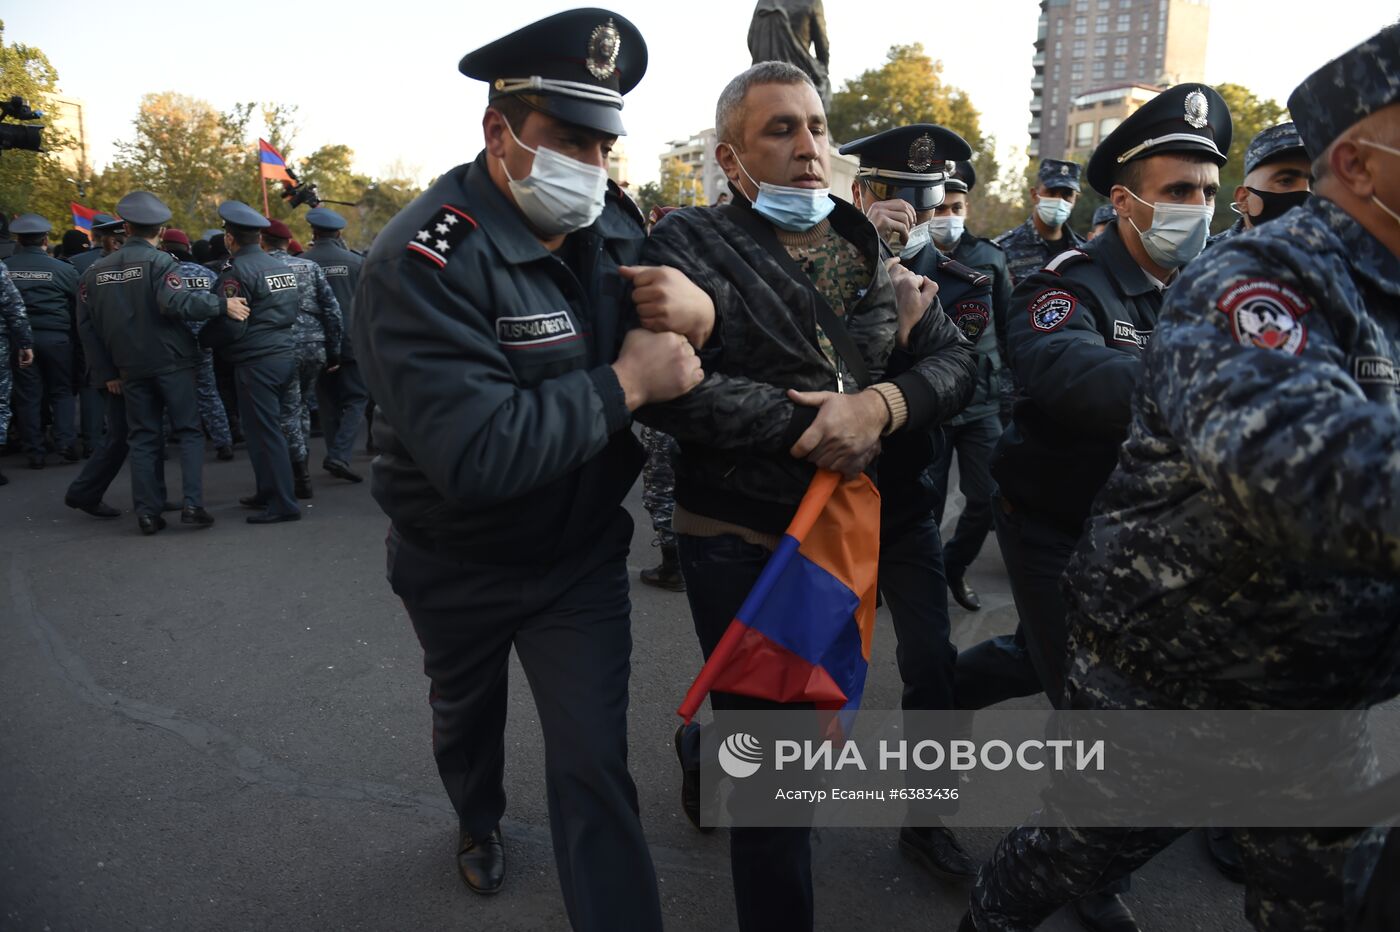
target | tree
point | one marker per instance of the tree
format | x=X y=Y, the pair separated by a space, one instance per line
x=35 y=182
x=908 y=88
x=678 y=187
x=1250 y=115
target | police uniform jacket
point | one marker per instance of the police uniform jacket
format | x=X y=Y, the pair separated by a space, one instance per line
x=1246 y=553
x=14 y=320
x=270 y=288
x=502 y=432
x=319 y=319
x=84 y=260
x=967 y=296
x=987 y=257
x=342 y=268
x=49 y=287
x=132 y=308
x=1076 y=334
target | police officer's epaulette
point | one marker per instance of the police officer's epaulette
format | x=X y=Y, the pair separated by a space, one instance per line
x=989 y=242
x=965 y=272
x=443 y=232
x=1067 y=259
x=629 y=206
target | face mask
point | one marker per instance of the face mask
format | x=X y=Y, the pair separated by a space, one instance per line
x=796 y=210
x=1375 y=200
x=1178 y=232
x=919 y=237
x=560 y=195
x=947 y=230
x=1276 y=204
x=1054 y=211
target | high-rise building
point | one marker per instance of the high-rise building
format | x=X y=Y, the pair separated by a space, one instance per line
x=1084 y=47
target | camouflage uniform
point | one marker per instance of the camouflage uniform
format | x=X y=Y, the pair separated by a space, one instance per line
x=211 y=407
x=1027 y=253
x=1246 y=553
x=318 y=326
x=659 y=483
x=15 y=335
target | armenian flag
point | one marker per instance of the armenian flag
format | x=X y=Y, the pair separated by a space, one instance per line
x=804 y=632
x=272 y=164
x=82 y=218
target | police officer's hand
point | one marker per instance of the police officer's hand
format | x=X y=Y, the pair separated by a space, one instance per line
x=845 y=436
x=26 y=358
x=114 y=386
x=656 y=367
x=667 y=300
x=892 y=216
x=238 y=308
x=913 y=295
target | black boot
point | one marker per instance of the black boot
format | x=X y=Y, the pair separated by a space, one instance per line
x=303 y=479
x=668 y=574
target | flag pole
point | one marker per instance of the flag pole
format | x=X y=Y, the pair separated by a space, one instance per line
x=267 y=212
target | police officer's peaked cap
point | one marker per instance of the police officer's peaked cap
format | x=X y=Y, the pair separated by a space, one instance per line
x=961 y=176
x=239 y=214
x=911 y=159
x=1276 y=142
x=1188 y=118
x=213 y=235
x=1057 y=173
x=323 y=218
x=1104 y=213
x=29 y=224
x=1348 y=88
x=106 y=223
x=277 y=229
x=143 y=208
x=574 y=65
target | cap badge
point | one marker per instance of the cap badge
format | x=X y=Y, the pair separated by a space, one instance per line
x=603 y=48
x=921 y=153
x=1064 y=169
x=1197 y=109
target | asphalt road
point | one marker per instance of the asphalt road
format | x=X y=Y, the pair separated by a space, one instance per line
x=228 y=729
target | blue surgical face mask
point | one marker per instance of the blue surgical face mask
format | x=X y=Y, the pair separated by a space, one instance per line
x=796 y=210
x=1178 y=231
x=1054 y=211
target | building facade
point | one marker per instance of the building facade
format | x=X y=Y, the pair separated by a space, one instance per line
x=698 y=154
x=1092 y=116
x=1084 y=47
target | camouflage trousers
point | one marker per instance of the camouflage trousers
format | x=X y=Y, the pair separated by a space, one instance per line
x=295 y=415
x=6 y=384
x=659 y=483
x=1297 y=880
x=211 y=406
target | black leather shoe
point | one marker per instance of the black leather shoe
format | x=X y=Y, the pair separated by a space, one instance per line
x=224 y=453
x=1105 y=912
x=71 y=455
x=196 y=515
x=1225 y=854
x=482 y=864
x=690 y=777
x=253 y=501
x=149 y=524
x=963 y=594
x=667 y=575
x=100 y=510
x=273 y=519
x=938 y=850
x=341 y=470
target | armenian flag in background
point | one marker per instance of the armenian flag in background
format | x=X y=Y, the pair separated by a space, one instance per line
x=272 y=164
x=803 y=634
x=82 y=218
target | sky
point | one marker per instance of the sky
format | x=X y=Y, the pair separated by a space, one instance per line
x=383 y=78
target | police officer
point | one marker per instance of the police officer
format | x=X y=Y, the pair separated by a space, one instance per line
x=1077 y=332
x=900 y=182
x=340 y=391
x=14 y=334
x=262 y=352
x=317 y=334
x=108 y=235
x=1277 y=178
x=1242 y=556
x=490 y=326
x=1103 y=216
x=1046 y=232
x=49 y=287
x=211 y=407
x=136 y=303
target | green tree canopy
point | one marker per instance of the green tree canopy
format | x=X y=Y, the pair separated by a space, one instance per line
x=678 y=187
x=908 y=88
x=1250 y=115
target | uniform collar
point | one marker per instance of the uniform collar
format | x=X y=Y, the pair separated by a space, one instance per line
x=137 y=244
x=279 y=253
x=1109 y=250
x=1364 y=252
x=498 y=218
x=34 y=250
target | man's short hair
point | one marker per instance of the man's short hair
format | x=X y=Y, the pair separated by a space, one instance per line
x=244 y=236
x=514 y=109
x=32 y=239
x=143 y=230
x=729 y=111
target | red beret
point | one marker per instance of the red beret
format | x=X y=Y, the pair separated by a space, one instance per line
x=277 y=229
x=173 y=235
x=295 y=248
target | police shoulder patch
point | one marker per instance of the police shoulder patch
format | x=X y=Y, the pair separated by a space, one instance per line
x=971 y=317
x=1266 y=314
x=1051 y=308
x=965 y=272
x=443 y=233
x=174 y=282
x=231 y=288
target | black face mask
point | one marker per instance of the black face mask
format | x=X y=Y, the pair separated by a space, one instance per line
x=1276 y=204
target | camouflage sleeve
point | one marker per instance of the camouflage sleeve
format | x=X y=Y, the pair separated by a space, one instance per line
x=175 y=300
x=1061 y=361
x=331 y=318
x=1295 y=452
x=98 y=359
x=12 y=310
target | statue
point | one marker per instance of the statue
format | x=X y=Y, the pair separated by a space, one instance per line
x=783 y=30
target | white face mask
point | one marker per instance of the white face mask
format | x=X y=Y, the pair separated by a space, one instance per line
x=919 y=237
x=1178 y=232
x=560 y=195
x=1054 y=211
x=1394 y=215
x=947 y=230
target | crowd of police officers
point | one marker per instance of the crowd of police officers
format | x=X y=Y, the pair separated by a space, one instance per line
x=512 y=320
